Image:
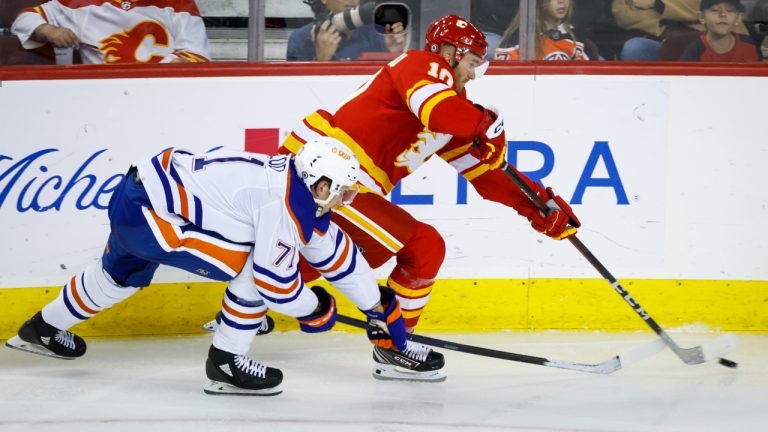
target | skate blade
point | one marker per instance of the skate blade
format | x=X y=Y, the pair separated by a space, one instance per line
x=392 y=372
x=221 y=388
x=22 y=345
x=211 y=326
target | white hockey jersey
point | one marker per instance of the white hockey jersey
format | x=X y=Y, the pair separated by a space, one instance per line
x=123 y=31
x=256 y=199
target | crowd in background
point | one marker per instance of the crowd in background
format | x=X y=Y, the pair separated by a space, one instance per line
x=34 y=31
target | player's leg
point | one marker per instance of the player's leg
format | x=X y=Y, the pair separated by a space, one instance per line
x=382 y=230
x=85 y=295
x=111 y=279
x=243 y=314
x=208 y=254
x=228 y=368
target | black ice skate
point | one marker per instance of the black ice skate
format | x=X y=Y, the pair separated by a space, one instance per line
x=240 y=375
x=417 y=363
x=266 y=326
x=38 y=337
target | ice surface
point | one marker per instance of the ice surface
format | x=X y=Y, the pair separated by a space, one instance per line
x=155 y=384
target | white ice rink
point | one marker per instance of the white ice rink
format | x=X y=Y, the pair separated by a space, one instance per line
x=155 y=384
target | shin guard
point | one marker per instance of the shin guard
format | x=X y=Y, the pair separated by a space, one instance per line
x=84 y=296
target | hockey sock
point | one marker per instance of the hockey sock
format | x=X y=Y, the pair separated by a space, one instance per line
x=413 y=294
x=85 y=295
x=240 y=320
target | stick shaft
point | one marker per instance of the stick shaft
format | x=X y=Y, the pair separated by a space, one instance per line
x=689 y=356
x=611 y=365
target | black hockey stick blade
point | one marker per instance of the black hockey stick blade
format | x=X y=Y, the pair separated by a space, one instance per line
x=607 y=367
x=696 y=355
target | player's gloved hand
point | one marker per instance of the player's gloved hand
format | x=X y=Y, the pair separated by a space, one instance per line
x=324 y=317
x=490 y=142
x=387 y=328
x=556 y=223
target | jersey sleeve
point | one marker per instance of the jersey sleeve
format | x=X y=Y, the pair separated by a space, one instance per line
x=191 y=41
x=275 y=262
x=427 y=85
x=336 y=257
x=31 y=18
x=491 y=184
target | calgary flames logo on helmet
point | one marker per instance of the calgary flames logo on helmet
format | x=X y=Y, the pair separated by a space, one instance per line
x=138 y=44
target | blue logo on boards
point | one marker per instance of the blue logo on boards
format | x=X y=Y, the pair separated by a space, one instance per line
x=600 y=153
x=32 y=184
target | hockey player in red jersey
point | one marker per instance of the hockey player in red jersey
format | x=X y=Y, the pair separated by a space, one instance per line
x=413 y=108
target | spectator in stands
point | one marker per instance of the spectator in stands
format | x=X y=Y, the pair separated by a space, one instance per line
x=492 y=17
x=555 y=34
x=757 y=21
x=720 y=43
x=322 y=41
x=163 y=31
x=654 y=20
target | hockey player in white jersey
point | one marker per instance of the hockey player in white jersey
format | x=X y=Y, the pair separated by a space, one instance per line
x=237 y=217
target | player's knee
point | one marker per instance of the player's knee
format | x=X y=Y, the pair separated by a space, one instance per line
x=426 y=250
x=435 y=240
x=102 y=289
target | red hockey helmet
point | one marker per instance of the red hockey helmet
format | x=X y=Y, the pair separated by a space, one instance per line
x=455 y=30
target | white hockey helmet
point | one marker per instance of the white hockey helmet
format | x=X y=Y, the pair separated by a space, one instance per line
x=328 y=157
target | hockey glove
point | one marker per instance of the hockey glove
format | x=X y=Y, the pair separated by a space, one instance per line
x=490 y=141
x=555 y=223
x=387 y=329
x=325 y=316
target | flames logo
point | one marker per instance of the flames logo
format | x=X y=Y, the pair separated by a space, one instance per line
x=136 y=45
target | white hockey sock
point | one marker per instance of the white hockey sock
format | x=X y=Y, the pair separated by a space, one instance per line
x=85 y=295
x=242 y=312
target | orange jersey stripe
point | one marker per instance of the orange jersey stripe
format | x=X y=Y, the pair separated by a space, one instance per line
x=235 y=260
x=184 y=202
x=276 y=290
x=166 y=158
x=341 y=259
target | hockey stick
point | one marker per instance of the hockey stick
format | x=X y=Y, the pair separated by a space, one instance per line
x=609 y=366
x=698 y=354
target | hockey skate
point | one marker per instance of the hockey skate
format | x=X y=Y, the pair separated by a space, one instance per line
x=38 y=337
x=266 y=326
x=240 y=375
x=417 y=363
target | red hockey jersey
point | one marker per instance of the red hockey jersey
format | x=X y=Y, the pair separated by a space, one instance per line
x=407 y=112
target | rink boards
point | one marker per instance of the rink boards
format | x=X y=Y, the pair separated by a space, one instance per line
x=665 y=172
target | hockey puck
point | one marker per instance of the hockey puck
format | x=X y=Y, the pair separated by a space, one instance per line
x=728 y=363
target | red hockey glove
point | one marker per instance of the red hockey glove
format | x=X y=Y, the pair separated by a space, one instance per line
x=387 y=329
x=324 y=317
x=490 y=142
x=555 y=223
